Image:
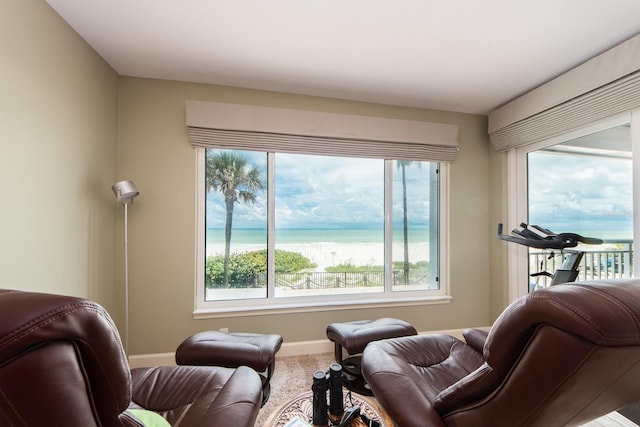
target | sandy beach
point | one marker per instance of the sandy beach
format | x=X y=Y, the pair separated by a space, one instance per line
x=326 y=254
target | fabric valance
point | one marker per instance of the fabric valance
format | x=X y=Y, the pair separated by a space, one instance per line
x=604 y=86
x=249 y=127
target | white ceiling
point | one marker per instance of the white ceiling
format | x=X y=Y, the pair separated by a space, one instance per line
x=456 y=55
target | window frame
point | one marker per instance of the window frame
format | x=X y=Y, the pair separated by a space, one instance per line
x=517 y=204
x=271 y=304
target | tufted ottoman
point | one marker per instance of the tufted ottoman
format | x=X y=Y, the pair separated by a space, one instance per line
x=231 y=350
x=354 y=337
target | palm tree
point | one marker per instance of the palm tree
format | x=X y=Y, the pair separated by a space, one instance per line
x=229 y=173
x=402 y=165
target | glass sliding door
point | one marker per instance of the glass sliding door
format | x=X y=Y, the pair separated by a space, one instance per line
x=582 y=185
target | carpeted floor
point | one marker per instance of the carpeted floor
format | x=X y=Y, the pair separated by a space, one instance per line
x=292 y=377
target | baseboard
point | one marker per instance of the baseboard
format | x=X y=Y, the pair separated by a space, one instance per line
x=155 y=359
x=305 y=347
x=287 y=349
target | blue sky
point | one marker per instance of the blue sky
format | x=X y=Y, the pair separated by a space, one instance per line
x=324 y=192
x=580 y=193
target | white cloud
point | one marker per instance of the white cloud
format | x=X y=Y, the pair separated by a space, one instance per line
x=315 y=191
x=578 y=192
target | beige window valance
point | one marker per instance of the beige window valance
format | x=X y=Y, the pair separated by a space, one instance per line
x=249 y=127
x=606 y=85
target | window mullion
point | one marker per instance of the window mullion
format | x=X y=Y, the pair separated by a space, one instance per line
x=388 y=226
x=271 y=226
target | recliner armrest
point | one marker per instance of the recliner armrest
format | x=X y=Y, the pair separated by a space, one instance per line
x=465 y=391
x=215 y=396
x=476 y=338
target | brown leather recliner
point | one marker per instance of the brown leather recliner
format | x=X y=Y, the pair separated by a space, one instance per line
x=62 y=364
x=560 y=356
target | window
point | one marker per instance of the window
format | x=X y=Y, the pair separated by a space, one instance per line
x=281 y=230
x=582 y=183
x=317 y=209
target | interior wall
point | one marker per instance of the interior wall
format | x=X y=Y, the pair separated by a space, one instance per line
x=498 y=249
x=57 y=158
x=155 y=153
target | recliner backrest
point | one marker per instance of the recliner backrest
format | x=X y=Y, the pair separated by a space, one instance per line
x=554 y=341
x=51 y=346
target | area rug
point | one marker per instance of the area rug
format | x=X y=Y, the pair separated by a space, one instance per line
x=293 y=377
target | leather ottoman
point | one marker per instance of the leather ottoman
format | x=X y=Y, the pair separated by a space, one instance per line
x=354 y=337
x=231 y=350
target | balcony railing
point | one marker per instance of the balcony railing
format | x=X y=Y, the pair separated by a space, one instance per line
x=612 y=259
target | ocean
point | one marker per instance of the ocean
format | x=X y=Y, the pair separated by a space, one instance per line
x=309 y=235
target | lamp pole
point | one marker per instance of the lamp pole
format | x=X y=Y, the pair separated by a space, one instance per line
x=125 y=192
x=126 y=279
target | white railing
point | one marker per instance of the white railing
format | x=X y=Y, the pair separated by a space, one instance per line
x=612 y=259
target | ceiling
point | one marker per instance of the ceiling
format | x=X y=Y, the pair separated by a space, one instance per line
x=456 y=55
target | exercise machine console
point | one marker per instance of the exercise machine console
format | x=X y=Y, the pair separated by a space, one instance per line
x=537 y=237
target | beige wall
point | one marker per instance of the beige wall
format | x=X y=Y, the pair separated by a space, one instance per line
x=58 y=134
x=155 y=153
x=71 y=127
x=498 y=273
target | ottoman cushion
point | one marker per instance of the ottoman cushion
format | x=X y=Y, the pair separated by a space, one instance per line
x=215 y=348
x=354 y=336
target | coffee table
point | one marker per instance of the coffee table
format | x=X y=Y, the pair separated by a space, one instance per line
x=302 y=407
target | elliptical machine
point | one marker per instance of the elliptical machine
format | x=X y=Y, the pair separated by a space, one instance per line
x=537 y=237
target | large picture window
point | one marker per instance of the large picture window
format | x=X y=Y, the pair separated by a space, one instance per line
x=310 y=210
x=282 y=229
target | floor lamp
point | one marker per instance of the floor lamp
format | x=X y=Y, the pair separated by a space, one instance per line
x=125 y=192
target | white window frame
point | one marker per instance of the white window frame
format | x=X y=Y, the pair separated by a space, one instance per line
x=271 y=304
x=517 y=203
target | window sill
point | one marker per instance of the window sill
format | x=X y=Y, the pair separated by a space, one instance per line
x=297 y=306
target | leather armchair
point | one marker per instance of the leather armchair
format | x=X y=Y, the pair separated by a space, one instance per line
x=560 y=356
x=62 y=363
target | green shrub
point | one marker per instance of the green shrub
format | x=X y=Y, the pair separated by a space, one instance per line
x=242 y=273
x=420 y=265
x=285 y=262
x=245 y=268
x=350 y=268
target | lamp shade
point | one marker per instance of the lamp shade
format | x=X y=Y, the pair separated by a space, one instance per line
x=125 y=191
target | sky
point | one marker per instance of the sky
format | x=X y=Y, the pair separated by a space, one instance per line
x=578 y=194
x=326 y=192
x=581 y=194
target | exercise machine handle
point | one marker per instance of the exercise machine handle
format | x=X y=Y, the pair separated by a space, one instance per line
x=545 y=239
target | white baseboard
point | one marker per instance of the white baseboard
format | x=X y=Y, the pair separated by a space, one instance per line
x=296 y=348
x=155 y=359
x=305 y=347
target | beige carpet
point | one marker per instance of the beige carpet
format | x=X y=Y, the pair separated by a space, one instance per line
x=292 y=377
